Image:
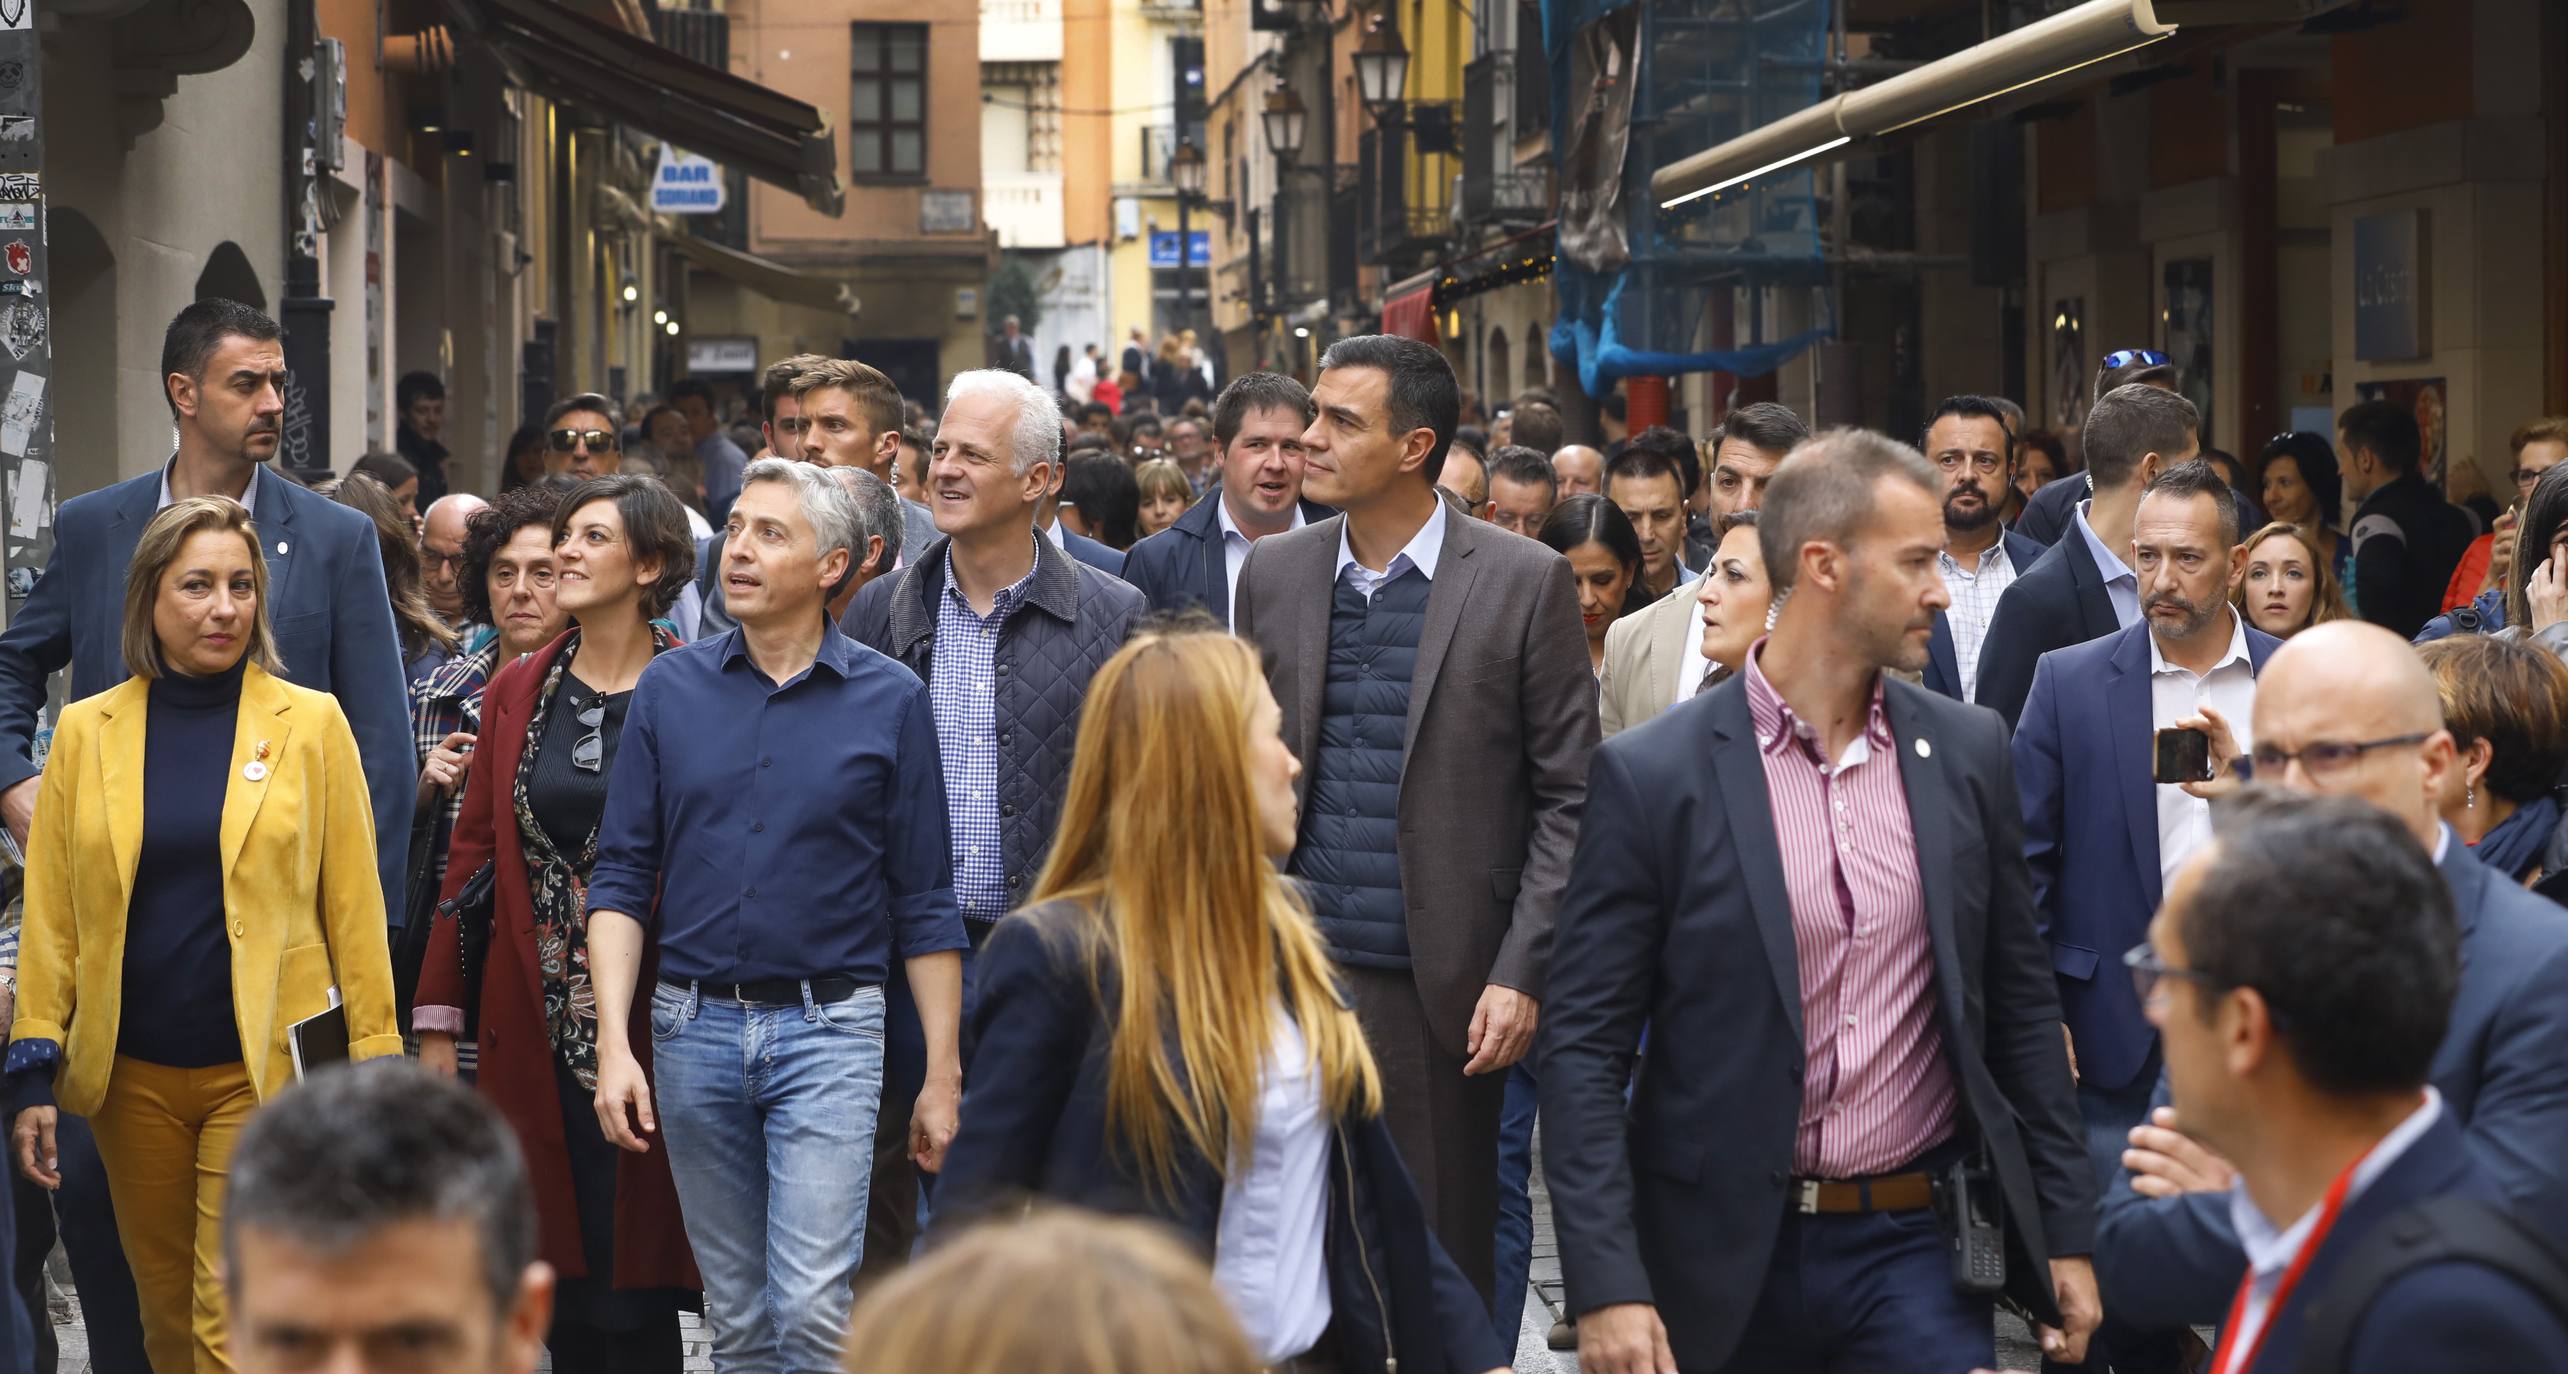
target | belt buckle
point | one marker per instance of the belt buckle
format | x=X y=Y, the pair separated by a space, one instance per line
x=1809 y=1197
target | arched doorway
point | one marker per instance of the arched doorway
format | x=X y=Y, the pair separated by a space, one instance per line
x=83 y=271
x=1496 y=388
x=229 y=276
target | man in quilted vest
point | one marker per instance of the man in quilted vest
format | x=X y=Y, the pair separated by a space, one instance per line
x=1005 y=629
x=1443 y=772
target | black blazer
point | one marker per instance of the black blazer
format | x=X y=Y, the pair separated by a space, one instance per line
x=2045 y=516
x=1943 y=661
x=1679 y=913
x=1034 y=1125
x=1182 y=567
x=2057 y=602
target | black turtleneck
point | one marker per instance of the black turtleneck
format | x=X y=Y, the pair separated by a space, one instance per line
x=178 y=965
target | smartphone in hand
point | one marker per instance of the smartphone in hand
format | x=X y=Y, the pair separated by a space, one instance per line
x=2183 y=755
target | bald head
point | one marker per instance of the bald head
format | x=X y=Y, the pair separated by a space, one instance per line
x=1580 y=471
x=441 y=547
x=2348 y=682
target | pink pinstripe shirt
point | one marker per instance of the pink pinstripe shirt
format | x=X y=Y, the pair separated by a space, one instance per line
x=1876 y=1092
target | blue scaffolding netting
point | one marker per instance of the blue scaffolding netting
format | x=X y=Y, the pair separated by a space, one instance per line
x=1633 y=279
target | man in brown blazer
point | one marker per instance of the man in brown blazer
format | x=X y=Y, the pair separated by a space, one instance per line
x=1434 y=684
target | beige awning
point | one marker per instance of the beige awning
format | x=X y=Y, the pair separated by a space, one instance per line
x=767 y=277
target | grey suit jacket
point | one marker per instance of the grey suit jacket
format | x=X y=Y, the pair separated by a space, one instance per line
x=1502 y=719
x=1641 y=654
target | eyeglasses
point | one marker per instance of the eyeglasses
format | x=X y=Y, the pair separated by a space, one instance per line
x=2126 y=357
x=2527 y=478
x=435 y=559
x=589 y=754
x=2323 y=758
x=2148 y=970
x=1987 y=463
x=569 y=440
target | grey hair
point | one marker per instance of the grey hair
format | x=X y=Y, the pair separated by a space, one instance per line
x=2128 y=424
x=1036 y=435
x=878 y=508
x=1823 y=491
x=831 y=511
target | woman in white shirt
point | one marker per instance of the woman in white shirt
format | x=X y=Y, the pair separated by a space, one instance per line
x=1158 y=1033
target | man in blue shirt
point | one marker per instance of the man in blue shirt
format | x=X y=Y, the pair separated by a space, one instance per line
x=782 y=895
x=722 y=459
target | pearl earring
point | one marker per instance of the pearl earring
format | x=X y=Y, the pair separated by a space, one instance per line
x=2469 y=797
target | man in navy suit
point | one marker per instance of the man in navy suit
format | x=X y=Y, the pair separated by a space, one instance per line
x=1969 y=438
x=1257 y=451
x=2346 y=709
x=2084 y=587
x=1047 y=520
x=223 y=375
x=2301 y=973
x=2046 y=516
x=1808 y=884
x=2099 y=835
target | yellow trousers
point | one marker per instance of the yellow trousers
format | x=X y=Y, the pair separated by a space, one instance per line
x=166 y=1136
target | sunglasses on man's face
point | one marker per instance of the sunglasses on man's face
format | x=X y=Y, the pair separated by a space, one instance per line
x=569 y=440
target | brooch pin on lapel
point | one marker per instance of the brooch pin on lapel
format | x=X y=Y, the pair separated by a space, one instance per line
x=256 y=770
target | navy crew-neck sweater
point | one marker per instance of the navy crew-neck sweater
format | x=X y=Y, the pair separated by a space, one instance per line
x=178 y=965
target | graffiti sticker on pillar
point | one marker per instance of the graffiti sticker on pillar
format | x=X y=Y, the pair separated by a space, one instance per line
x=17 y=14
x=19 y=411
x=27 y=506
x=20 y=186
x=17 y=128
x=18 y=257
x=22 y=327
x=12 y=75
x=17 y=215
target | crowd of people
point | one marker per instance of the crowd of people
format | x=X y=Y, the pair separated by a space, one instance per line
x=1899 y=881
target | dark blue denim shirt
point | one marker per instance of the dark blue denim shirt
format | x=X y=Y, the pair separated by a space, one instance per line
x=790 y=831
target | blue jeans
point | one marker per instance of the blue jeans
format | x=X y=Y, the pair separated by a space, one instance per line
x=769 y=1116
x=1515 y=1248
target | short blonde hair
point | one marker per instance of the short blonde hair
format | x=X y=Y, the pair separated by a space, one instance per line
x=873 y=393
x=1061 y=1292
x=162 y=539
x=1162 y=477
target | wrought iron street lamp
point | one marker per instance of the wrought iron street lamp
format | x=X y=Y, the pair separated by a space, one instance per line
x=1285 y=121
x=1382 y=67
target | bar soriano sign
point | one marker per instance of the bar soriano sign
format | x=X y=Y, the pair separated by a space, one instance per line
x=686 y=185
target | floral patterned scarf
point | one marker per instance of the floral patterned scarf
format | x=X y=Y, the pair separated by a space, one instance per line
x=559 y=887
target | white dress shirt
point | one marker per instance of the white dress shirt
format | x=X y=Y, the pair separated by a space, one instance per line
x=249 y=494
x=1423 y=549
x=2270 y=1252
x=2120 y=583
x=1270 y=1250
x=1235 y=542
x=2184 y=820
x=1975 y=592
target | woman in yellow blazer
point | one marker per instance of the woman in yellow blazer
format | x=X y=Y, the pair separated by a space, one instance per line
x=200 y=876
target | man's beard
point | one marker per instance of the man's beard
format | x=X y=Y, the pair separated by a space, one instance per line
x=1958 y=517
x=2197 y=618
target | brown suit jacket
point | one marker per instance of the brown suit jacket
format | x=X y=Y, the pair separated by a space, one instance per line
x=1502 y=718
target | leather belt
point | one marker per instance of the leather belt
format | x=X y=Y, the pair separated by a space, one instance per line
x=1886 y=1193
x=771 y=992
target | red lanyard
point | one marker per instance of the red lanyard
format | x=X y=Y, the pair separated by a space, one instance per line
x=2229 y=1359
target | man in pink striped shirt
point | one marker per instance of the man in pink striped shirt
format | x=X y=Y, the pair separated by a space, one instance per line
x=1829 y=932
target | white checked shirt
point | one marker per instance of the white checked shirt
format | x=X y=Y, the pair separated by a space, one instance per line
x=1975 y=592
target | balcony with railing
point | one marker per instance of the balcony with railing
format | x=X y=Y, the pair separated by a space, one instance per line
x=1024 y=208
x=1517 y=198
x=1020 y=30
x=1405 y=210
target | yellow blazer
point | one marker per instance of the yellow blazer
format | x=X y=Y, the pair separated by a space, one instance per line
x=302 y=898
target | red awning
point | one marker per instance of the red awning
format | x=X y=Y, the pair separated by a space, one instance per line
x=1412 y=314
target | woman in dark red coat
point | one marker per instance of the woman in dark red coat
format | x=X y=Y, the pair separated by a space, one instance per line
x=608 y=1221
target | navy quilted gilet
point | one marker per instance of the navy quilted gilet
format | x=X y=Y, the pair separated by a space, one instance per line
x=1349 y=857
